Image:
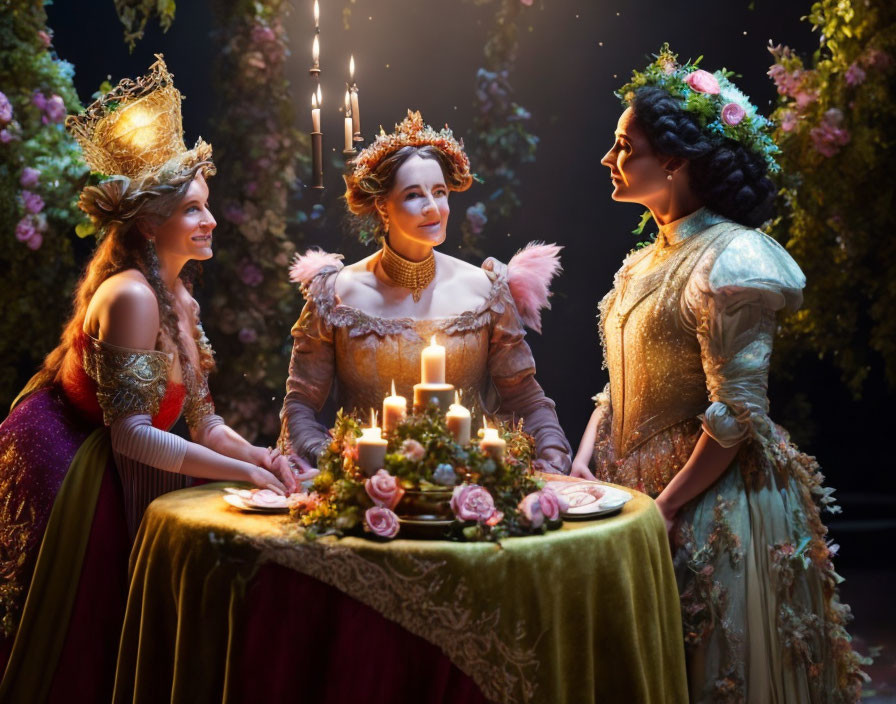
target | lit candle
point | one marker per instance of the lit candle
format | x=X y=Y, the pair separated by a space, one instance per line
x=356 y=112
x=458 y=421
x=348 y=137
x=315 y=53
x=395 y=410
x=316 y=15
x=371 y=448
x=491 y=444
x=432 y=363
x=315 y=113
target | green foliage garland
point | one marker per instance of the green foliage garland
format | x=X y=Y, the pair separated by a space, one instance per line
x=134 y=14
x=834 y=122
x=41 y=172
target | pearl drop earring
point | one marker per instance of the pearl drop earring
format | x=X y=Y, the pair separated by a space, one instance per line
x=668 y=177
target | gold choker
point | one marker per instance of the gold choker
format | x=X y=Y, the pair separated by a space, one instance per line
x=407 y=274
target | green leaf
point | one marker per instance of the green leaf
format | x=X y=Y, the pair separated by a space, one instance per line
x=646 y=216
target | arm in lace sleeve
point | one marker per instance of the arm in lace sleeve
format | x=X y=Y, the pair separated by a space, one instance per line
x=512 y=370
x=311 y=370
x=732 y=303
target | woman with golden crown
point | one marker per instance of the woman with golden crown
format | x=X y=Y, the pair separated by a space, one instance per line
x=86 y=446
x=364 y=326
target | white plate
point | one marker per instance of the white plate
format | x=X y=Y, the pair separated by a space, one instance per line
x=242 y=505
x=612 y=499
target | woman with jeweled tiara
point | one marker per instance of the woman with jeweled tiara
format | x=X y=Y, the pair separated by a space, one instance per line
x=687 y=333
x=86 y=446
x=365 y=325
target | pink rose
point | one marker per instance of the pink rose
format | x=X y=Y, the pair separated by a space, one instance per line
x=32 y=201
x=382 y=522
x=5 y=109
x=471 y=502
x=413 y=450
x=732 y=114
x=29 y=178
x=703 y=82
x=531 y=509
x=383 y=489
x=25 y=229
x=35 y=242
x=552 y=503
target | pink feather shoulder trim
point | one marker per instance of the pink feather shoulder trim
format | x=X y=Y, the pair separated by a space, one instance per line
x=308 y=265
x=529 y=275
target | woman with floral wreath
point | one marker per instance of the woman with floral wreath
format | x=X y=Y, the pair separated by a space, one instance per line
x=86 y=446
x=364 y=325
x=687 y=333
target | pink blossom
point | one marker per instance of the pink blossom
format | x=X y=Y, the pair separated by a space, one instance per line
x=703 y=82
x=413 y=450
x=5 y=109
x=39 y=100
x=383 y=489
x=830 y=135
x=788 y=120
x=854 y=75
x=382 y=522
x=29 y=178
x=55 y=109
x=25 y=229
x=249 y=273
x=471 y=502
x=247 y=336
x=6 y=136
x=32 y=201
x=732 y=114
x=45 y=38
x=35 y=242
x=261 y=34
x=804 y=98
x=531 y=509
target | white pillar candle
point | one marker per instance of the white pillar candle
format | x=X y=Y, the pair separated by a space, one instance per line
x=356 y=110
x=315 y=114
x=459 y=421
x=491 y=444
x=371 y=448
x=395 y=408
x=432 y=363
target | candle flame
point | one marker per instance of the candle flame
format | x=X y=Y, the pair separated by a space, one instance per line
x=484 y=423
x=315 y=49
x=348 y=105
x=457 y=398
x=432 y=341
x=319 y=96
x=393 y=387
x=351 y=68
x=372 y=418
x=314 y=105
x=316 y=13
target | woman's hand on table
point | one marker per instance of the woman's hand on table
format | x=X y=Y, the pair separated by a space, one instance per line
x=263 y=479
x=581 y=471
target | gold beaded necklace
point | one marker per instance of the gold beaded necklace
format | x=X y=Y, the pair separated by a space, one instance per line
x=415 y=276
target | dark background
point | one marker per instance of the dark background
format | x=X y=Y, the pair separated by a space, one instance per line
x=572 y=55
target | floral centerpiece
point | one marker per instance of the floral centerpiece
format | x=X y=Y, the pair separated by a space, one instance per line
x=467 y=491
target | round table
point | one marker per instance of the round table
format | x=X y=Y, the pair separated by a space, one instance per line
x=231 y=606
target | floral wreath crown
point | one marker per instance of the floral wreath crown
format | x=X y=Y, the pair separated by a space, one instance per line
x=411 y=132
x=135 y=130
x=720 y=107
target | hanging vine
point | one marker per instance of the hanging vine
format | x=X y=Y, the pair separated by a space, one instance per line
x=41 y=172
x=134 y=14
x=834 y=126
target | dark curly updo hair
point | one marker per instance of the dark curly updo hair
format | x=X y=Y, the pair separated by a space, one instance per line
x=728 y=177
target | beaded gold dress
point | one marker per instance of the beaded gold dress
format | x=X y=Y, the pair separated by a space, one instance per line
x=356 y=356
x=687 y=332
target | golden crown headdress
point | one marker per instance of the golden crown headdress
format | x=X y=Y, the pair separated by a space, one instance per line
x=135 y=130
x=411 y=132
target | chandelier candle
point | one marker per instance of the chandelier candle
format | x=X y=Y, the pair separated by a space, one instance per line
x=371 y=448
x=314 y=71
x=395 y=410
x=459 y=421
x=356 y=112
x=317 y=142
x=349 y=147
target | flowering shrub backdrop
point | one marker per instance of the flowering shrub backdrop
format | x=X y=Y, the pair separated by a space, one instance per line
x=834 y=127
x=41 y=173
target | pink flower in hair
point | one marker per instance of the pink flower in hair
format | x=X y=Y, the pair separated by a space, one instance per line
x=732 y=114
x=703 y=82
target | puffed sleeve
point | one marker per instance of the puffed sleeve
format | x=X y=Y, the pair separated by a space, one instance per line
x=130 y=385
x=731 y=301
x=512 y=370
x=312 y=367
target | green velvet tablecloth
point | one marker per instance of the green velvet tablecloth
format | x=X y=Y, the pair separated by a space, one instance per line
x=587 y=613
